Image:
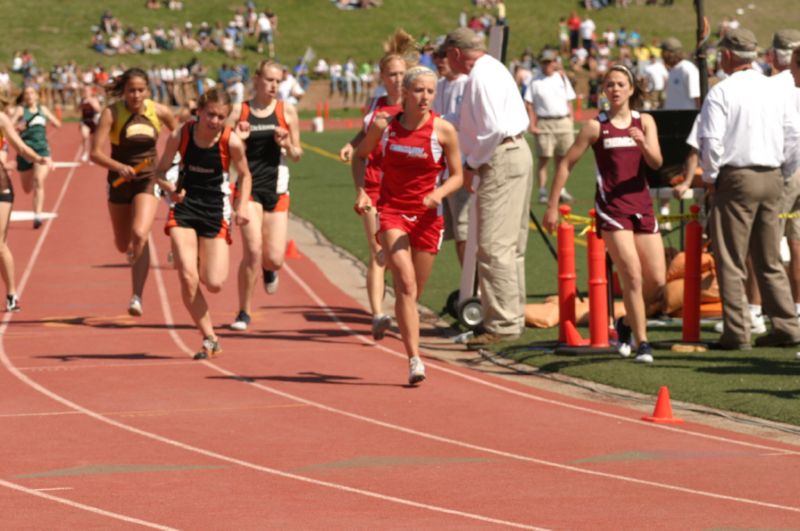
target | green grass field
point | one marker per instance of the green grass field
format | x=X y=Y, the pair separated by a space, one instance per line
x=763 y=382
x=59 y=31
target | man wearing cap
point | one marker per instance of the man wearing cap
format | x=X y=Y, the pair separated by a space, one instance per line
x=683 y=82
x=784 y=42
x=749 y=136
x=493 y=120
x=548 y=102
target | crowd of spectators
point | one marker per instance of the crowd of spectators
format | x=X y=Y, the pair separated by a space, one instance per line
x=113 y=37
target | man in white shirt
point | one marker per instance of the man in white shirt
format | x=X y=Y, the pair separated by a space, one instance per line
x=548 y=101
x=289 y=89
x=587 y=33
x=447 y=103
x=749 y=135
x=491 y=132
x=656 y=74
x=784 y=42
x=683 y=83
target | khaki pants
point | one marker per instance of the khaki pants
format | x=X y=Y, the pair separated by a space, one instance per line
x=503 y=202
x=744 y=217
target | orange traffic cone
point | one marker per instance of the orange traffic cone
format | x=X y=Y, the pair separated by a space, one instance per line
x=574 y=338
x=663 y=411
x=291 y=250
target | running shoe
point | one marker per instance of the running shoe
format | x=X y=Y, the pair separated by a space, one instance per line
x=210 y=349
x=242 y=321
x=270 y=281
x=37 y=222
x=624 y=331
x=135 y=307
x=543 y=196
x=644 y=354
x=380 y=324
x=416 y=370
x=566 y=197
x=12 y=303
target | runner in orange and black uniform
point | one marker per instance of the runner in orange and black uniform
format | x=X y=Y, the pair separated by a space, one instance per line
x=132 y=124
x=270 y=128
x=199 y=223
x=9 y=135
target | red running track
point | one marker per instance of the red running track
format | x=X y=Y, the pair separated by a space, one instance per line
x=304 y=423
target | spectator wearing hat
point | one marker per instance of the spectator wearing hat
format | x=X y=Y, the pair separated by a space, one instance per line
x=748 y=145
x=683 y=82
x=491 y=132
x=784 y=42
x=548 y=102
x=447 y=104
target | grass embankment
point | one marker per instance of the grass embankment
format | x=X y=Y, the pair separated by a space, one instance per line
x=763 y=382
x=56 y=31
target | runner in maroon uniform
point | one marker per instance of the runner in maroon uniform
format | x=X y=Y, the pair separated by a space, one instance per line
x=415 y=147
x=199 y=223
x=393 y=65
x=271 y=132
x=623 y=142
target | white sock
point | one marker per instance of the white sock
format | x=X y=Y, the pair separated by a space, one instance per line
x=755 y=310
x=665 y=210
x=797 y=308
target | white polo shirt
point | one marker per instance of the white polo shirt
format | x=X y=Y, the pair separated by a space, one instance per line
x=550 y=95
x=449 y=95
x=683 y=86
x=492 y=109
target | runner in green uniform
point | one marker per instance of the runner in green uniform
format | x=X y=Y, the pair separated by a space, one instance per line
x=31 y=119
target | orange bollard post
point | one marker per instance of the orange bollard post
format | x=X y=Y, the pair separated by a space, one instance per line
x=691 y=281
x=567 y=279
x=598 y=287
x=327 y=110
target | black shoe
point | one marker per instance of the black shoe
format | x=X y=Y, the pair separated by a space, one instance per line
x=12 y=303
x=37 y=222
x=644 y=354
x=719 y=345
x=270 y=281
x=624 y=332
x=242 y=321
x=777 y=338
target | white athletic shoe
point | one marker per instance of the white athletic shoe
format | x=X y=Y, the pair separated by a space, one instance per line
x=135 y=307
x=242 y=321
x=270 y=281
x=543 y=195
x=12 y=303
x=757 y=324
x=380 y=324
x=566 y=197
x=416 y=370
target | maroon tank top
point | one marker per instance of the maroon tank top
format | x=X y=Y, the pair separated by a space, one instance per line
x=621 y=180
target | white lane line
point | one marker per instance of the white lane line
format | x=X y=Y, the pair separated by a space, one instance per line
x=179 y=342
x=7 y=363
x=53 y=489
x=76 y=505
x=369 y=341
x=170 y=322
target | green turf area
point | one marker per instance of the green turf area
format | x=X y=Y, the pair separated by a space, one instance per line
x=763 y=382
x=59 y=31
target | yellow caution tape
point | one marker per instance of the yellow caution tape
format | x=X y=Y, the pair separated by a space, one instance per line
x=577 y=220
x=675 y=217
x=321 y=152
x=789 y=215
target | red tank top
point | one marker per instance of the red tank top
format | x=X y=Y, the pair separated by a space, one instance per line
x=411 y=163
x=372 y=173
x=621 y=180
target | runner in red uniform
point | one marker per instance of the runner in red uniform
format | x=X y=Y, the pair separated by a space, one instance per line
x=415 y=147
x=399 y=56
x=623 y=142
